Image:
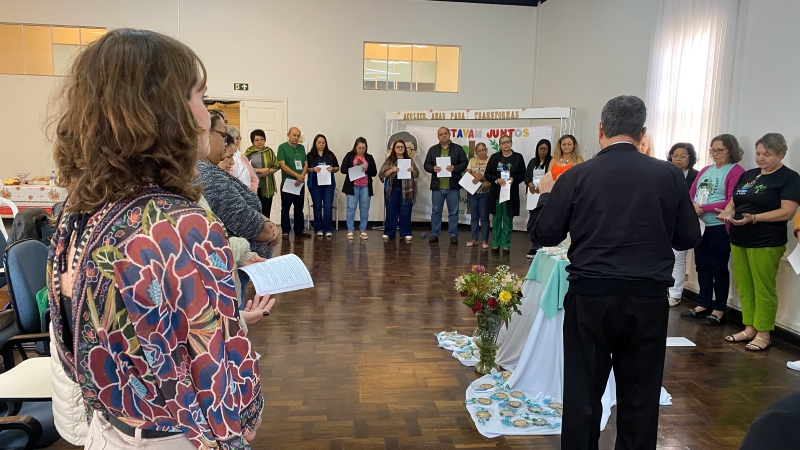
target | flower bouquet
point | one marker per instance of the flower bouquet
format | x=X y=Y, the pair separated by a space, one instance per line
x=493 y=299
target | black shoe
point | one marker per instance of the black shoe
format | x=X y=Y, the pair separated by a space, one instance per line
x=433 y=239
x=714 y=321
x=453 y=240
x=304 y=234
x=696 y=315
x=496 y=250
x=532 y=253
x=506 y=251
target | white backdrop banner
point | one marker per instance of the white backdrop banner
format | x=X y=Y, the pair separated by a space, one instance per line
x=421 y=138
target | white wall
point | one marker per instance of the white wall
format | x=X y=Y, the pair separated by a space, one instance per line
x=766 y=98
x=308 y=51
x=26 y=99
x=590 y=51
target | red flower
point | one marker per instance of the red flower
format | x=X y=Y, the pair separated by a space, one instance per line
x=478 y=269
x=492 y=302
x=464 y=293
x=477 y=307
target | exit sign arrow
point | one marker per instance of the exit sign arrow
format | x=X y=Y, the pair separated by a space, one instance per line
x=241 y=87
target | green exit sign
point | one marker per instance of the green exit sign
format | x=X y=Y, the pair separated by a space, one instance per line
x=241 y=87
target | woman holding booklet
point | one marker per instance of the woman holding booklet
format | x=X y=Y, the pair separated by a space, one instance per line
x=359 y=167
x=399 y=174
x=322 y=164
x=505 y=170
x=479 y=201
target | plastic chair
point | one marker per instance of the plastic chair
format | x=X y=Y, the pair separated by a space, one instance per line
x=14 y=212
x=25 y=389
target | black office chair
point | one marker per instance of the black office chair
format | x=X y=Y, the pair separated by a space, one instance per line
x=26 y=409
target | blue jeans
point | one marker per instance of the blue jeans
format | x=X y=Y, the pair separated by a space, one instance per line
x=397 y=211
x=322 y=201
x=479 y=214
x=361 y=199
x=438 y=198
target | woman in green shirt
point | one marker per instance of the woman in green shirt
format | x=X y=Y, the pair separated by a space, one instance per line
x=265 y=163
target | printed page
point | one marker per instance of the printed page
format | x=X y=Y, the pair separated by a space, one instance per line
x=280 y=274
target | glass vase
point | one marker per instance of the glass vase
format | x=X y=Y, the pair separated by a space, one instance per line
x=486 y=339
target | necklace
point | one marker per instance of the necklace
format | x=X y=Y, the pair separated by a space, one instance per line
x=567 y=161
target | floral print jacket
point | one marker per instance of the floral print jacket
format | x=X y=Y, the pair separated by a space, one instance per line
x=156 y=338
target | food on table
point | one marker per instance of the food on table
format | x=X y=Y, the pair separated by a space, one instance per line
x=40 y=178
x=539 y=422
x=11 y=182
x=514 y=404
x=487 y=385
x=521 y=423
x=500 y=395
x=506 y=413
x=484 y=401
x=535 y=409
x=517 y=394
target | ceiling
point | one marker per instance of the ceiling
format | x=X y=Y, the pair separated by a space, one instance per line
x=499 y=2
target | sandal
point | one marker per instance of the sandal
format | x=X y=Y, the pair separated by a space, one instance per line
x=349 y=235
x=485 y=245
x=755 y=348
x=364 y=235
x=471 y=243
x=732 y=337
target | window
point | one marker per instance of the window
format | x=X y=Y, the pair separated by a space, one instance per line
x=42 y=49
x=411 y=67
x=691 y=66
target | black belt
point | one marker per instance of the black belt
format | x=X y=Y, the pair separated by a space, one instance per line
x=128 y=430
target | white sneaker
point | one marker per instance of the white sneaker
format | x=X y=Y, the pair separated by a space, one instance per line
x=319 y=233
x=385 y=237
x=794 y=365
x=674 y=301
x=328 y=234
x=408 y=238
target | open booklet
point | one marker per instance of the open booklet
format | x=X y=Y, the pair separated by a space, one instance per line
x=280 y=274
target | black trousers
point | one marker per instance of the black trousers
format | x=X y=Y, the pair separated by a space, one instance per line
x=630 y=335
x=711 y=259
x=266 y=204
x=287 y=200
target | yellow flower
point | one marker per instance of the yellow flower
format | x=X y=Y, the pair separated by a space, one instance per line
x=505 y=296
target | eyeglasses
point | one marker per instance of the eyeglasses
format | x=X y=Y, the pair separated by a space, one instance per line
x=716 y=151
x=680 y=156
x=505 y=142
x=221 y=133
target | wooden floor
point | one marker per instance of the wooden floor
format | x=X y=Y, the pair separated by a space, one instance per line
x=353 y=363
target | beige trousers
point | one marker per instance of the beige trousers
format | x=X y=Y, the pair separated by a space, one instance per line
x=103 y=436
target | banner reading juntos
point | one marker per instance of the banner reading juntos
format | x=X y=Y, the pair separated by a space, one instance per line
x=419 y=139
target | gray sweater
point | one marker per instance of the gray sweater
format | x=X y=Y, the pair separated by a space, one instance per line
x=233 y=203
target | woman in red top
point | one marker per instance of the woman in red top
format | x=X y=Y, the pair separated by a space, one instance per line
x=565 y=155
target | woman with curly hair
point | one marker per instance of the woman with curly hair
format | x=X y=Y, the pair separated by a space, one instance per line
x=140 y=278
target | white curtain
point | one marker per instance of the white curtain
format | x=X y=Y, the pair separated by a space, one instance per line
x=689 y=77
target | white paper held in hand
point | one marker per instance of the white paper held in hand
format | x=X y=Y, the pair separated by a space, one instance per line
x=280 y=274
x=533 y=200
x=794 y=259
x=290 y=188
x=356 y=172
x=702 y=227
x=404 y=164
x=505 y=193
x=443 y=161
x=466 y=183
x=323 y=176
